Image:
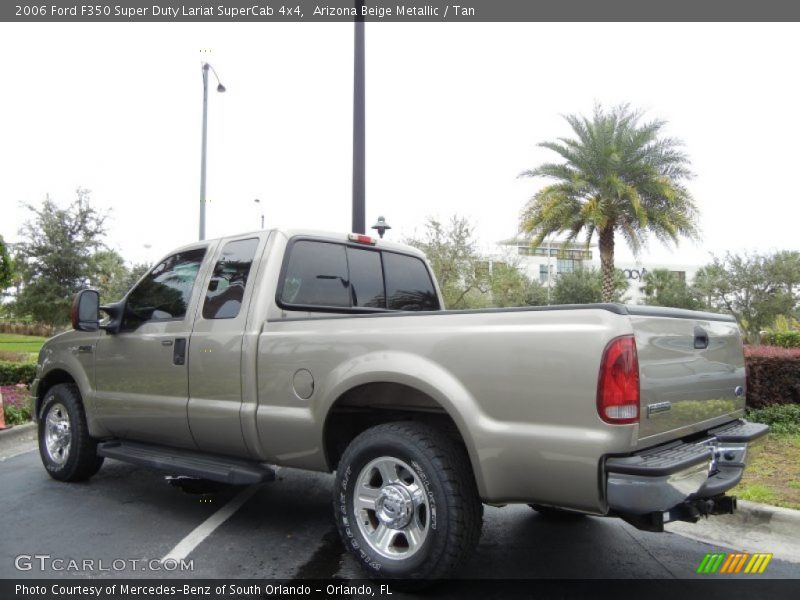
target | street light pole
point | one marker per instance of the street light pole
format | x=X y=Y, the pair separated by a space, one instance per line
x=359 y=143
x=204 y=146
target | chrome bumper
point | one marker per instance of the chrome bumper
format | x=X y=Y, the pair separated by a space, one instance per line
x=659 y=479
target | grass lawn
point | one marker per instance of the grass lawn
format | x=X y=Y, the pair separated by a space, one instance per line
x=773 y=475
x=13 y=342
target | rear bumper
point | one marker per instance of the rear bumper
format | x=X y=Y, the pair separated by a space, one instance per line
x=664 y=478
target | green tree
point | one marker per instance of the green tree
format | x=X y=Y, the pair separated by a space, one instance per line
x=707 y=281
x=663 y=288
x=618 y=175
x=56 y=257
x=6 y=267
x=585 y=286
x=451 y=251
x=785 y=271
x=112 y=277
x=509 y=286
x=748 y=287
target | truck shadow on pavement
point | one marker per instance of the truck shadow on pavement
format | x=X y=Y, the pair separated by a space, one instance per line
x=286 y=531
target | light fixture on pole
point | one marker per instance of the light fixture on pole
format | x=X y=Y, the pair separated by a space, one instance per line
x=220 y=89
x=381 y=226
x=257 y=201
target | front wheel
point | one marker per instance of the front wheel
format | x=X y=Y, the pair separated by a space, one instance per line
x=406 y=503
x=67 y=451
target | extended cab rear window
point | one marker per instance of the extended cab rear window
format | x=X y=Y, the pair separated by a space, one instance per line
x=321 y=275
x=227 y=285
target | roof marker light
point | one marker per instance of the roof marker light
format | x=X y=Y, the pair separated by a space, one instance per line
x=361 y=239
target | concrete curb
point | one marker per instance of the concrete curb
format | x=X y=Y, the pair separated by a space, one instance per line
x=16 y=432
x=754 y=527
x=778 y=514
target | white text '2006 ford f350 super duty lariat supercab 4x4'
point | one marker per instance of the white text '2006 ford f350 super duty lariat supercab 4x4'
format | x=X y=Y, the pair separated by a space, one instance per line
x=334 y=353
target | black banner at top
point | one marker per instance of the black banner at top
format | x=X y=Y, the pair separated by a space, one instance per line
x=457 y=11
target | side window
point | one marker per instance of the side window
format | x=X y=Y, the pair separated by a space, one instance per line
x=165 y=291
x=316 y=275
x=226 y=288
x=366 y=278
x=408 y=283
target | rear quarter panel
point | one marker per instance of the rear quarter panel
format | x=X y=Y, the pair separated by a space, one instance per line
x=520 y=385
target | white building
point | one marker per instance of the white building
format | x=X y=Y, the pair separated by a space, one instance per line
x=546 y=262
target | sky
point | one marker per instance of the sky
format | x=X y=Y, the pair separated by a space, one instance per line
x=454 y=113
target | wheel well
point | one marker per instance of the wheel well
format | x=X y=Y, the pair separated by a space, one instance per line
x=54 y=377
x=371 y=404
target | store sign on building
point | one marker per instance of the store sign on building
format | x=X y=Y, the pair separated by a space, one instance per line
x=635 y=273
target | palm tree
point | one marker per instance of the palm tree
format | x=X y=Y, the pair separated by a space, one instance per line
x=618 y=175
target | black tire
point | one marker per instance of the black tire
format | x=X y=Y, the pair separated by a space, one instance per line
x=445 y=510
x=556 y=514
x=76 y=458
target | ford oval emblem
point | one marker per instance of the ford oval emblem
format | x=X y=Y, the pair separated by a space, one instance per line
x=739 y=391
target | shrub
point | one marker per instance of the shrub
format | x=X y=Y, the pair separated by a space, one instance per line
x=784 y=339
x=773 y=375
x=17 y=415
x=782 y=418
x=12 y=373
x=16 y=404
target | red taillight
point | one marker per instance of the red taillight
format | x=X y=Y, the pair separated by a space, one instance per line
x=618 y=385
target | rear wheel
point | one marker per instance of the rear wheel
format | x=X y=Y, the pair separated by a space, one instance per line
x=406 y=503
x=67 y=451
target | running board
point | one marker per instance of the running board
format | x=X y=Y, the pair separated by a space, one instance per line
x=225 y=469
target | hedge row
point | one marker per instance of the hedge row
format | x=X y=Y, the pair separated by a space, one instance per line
x=12 y=373
x=773 y=376
x=39 y=329
x=784 y=339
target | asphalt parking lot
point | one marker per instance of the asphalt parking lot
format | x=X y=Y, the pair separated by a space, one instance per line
x=284 y=530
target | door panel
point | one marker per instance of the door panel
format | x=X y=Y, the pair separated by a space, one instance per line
x=141 y=381
x=141 y=393
x=215 y=354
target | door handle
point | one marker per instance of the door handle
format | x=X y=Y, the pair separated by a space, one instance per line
x=179 y=352
x=700 y=338
x=166 y=342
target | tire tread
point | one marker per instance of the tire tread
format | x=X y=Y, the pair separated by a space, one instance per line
x=453 y=467
x=83 y=461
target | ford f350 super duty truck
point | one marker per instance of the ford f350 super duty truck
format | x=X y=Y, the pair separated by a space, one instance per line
x=334 y=353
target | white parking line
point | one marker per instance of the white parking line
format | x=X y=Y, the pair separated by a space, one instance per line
x=5 y=458
x=207 y=527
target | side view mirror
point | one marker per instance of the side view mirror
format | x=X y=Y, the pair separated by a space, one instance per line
x=86 y=310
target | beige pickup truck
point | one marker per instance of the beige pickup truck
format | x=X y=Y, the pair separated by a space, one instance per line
x=335 y=353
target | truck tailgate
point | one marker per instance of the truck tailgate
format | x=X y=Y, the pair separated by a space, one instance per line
x=691 y=371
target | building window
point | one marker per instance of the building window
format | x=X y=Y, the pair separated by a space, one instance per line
x=543 y=273
x=555 y=252
x=680 y=275
x=565 y=265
